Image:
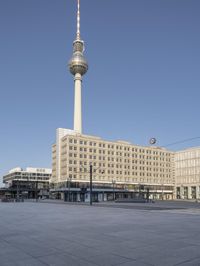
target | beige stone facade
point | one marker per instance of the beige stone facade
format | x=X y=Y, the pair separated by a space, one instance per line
x=187 y=170
x=119 y=162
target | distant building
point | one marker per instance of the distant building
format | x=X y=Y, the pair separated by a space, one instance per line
x=187 y=172
x=30 y=183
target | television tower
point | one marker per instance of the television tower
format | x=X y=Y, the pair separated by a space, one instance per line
x=78 y=66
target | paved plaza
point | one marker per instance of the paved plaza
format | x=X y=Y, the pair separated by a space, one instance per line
x=56 y=233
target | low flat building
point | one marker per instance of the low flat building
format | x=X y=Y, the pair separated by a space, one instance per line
x=29 y=183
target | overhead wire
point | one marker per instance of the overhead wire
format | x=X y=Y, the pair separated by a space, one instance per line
x=180 y=141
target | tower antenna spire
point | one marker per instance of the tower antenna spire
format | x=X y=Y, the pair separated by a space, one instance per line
x=78 y=21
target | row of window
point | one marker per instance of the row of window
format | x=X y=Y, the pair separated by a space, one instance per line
x=117 y=147
x=190 y=171
x=71 y=148
x=122 y=179
x=126 y=162
x=188 y=155
x=71 y=169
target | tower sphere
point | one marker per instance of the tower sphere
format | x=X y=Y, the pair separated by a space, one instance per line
x=78 y=63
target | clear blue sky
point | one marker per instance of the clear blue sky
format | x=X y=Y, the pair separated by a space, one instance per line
x=143 y=78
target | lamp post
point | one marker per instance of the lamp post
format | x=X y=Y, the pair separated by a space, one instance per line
x=36 y=190
x=91 y=171
x=162 y=192
x=139 y=188
x=198 y=189
x=91 y=180
x=91 y=184
x=113 y=182
x=69 y=184
x=17 y=189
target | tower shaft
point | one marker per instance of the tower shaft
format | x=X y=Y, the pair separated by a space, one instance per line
x=77 y=103
x=78 y=66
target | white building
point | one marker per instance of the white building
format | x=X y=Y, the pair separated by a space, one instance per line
x=28 y=183
x=28 y=174
x=187 y=173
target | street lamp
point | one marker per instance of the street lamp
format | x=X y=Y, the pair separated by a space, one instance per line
x=69 y=184
x=91 y=184
x=162 y=192
x=17 y=189
x=113 y=182
x=36 y=189
x=91 y=180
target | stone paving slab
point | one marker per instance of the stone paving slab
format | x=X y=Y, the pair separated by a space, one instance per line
x=52 y=234
x=156 y=205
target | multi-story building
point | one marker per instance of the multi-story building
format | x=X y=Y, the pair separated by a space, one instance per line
x=30 y=182
x=119 y=164
x=187 y=172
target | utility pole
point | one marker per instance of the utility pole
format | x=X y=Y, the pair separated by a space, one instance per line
x=90 y=184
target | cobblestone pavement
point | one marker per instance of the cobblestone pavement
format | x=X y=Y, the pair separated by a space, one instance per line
x=37 y=233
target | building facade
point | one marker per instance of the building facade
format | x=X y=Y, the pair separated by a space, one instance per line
x=28 y=183
x=118 y=168
x=187 y=172
x=120 y=164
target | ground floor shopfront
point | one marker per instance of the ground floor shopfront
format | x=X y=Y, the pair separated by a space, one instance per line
x=21 y=189
x=81 y=193
x=188 y=191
